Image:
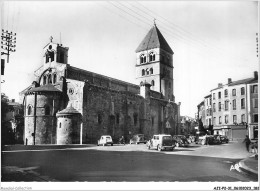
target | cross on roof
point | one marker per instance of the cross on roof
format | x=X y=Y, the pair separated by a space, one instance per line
x=51 y=38
x=154 y=21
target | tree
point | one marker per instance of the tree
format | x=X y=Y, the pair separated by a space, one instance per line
x=6 y=128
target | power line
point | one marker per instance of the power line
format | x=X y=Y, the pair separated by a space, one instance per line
x=122 y=16
x=169 y=33
x=128 y=13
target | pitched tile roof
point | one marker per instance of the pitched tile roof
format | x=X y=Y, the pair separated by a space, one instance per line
x=68 y=111
x=154 y=39
x=244 y=81
x=45 y=88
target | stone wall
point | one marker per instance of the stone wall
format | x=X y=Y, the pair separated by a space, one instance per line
x=45 y=132
x=106 y=111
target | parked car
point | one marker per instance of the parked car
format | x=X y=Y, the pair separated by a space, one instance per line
x=181 y=141
x=105 y=140
x=138 y=138
x=200 y=138
x=161 y=142
x=211 y=140
x=224 y=139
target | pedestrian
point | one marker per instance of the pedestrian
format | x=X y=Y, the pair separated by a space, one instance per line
x=247 y=141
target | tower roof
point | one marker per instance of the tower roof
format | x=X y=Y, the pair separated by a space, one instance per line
x=68 y=111
x=154 y=39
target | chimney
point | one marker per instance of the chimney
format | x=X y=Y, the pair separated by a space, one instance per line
x=256 y=75
x=220 y=85
x=229 y=80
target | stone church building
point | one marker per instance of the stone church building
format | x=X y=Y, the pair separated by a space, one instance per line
x=69 y=105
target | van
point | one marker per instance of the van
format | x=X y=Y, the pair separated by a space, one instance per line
x=161 y=142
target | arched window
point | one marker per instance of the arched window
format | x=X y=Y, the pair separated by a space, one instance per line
x=152 y=82
x=44 y=80
x=151 y=57
x=47 y=110
x=29 y=110
x=49 y=79
x=151 y=70
x=142 y=59
x=143 y=72
x=54 y=78
x=147 y=71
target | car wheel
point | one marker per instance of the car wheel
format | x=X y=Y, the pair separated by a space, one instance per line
x=171 y=149
x=112 y=144
x=159 y=148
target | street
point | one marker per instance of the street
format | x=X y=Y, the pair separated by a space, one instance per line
x=130 y=163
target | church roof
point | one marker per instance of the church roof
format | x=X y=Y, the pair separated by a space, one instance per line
x=154 y=39
x=45 y=88
x=68 y=111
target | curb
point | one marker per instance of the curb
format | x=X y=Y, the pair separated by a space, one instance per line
x=246 y=169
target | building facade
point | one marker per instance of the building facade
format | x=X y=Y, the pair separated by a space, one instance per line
x=68 y=105
x=208 y=114
x=252 y=102
x=234 y=108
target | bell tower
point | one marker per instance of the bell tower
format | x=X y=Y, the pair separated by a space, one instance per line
x=154 y=63
x=54 y=52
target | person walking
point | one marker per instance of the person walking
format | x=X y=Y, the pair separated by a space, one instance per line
x=248 y=142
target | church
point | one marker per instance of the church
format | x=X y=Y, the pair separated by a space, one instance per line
x=69 y=105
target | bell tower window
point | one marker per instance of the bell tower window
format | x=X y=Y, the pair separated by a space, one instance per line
x=49 y=54
x=143 y=72
x=147 y=71
x=151 y=57
x=151 y=70
x=142 y=59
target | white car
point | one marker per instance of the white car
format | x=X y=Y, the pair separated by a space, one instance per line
x=161 y=142
x=105 y=140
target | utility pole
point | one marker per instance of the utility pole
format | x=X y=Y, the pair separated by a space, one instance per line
x=8 y=40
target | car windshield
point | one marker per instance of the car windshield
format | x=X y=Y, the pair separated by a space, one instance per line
x=167 y=138
x=108 y=137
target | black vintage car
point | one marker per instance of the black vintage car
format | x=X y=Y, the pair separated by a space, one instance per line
x=224 y=139
x=181 y=141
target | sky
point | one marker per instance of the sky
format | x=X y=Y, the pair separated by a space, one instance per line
x=212 y=40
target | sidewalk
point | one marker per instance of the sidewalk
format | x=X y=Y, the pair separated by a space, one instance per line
x=250 y=165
